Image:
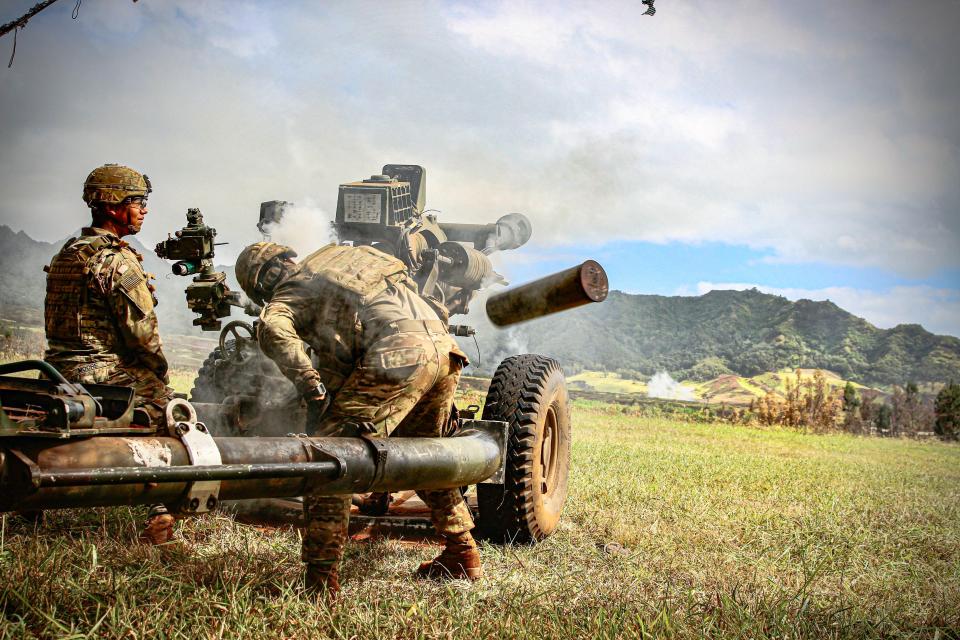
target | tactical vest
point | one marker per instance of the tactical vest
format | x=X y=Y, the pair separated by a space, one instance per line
x=334 y=283
x=78 y=323
x=362 y=271
x=352 y=274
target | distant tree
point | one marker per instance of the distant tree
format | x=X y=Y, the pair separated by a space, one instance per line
x=883 y=422
x=947 y=410
x=912 y=413
x=806 y=403
x=852 y=418
x=825 y=403
x=850 y=398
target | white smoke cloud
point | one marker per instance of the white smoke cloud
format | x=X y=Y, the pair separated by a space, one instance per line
x=661 y=385
x=515 y=342
x=304 y=227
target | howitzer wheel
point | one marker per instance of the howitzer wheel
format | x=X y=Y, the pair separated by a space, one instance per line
x=529 y=393
x=205 y=388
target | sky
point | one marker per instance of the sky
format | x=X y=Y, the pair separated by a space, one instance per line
x=808 y=149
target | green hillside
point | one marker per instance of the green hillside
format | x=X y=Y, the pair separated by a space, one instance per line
x=728 y=332
x=727 y=389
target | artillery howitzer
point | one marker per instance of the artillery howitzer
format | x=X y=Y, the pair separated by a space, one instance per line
x=64 y=445
x=242 y=393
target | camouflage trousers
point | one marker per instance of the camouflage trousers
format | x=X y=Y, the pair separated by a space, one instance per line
x=404 y=386
x=150 y=392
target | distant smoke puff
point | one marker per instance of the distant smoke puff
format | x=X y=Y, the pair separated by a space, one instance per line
x=305 y=228
x=515 y=343
x=663 y=386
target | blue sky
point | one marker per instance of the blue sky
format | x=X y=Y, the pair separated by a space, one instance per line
x=810 y=149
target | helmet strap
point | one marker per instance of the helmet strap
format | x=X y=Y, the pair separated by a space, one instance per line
x=270 y=275
x=117 y=214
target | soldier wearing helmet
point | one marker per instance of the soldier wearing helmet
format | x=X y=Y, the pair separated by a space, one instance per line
x=384 y=365
x=99 y=310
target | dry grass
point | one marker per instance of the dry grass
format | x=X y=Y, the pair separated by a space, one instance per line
x=671 y=529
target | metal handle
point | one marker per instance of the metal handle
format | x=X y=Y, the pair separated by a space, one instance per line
x=43 y=367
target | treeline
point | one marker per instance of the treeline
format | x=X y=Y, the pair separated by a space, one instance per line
x=813 y=405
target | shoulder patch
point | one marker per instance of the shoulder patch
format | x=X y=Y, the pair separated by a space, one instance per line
x=131 y=279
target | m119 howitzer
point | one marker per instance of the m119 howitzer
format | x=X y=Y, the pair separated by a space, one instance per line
x=65 y=446
x=244 y=393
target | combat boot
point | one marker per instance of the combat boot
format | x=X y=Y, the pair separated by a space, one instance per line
x=376 y=504
x=459 y=559
x=322 y=580
x=158 y=529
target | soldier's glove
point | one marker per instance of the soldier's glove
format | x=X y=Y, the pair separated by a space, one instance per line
x=315 y=392
x=318 y=400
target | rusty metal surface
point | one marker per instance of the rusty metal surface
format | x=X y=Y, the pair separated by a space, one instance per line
x=409 y=463
x=583 y=284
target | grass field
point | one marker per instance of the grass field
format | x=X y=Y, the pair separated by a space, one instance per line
x=671 y=529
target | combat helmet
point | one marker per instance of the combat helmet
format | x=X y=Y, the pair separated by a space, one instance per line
x=112 y=183
x=257 y=282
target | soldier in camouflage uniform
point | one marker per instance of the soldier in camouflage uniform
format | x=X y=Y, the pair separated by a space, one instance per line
x=100 y=323
x=386 y=366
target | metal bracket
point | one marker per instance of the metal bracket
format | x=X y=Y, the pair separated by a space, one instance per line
x=501 y=431
x=316 y=452
x=378 y=447
x=202 y=495
x=32 y=470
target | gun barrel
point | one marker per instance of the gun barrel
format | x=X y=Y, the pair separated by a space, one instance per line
x=46 y=473
x=573 y=287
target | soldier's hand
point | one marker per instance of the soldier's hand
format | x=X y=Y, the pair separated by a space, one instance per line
x=318 y=401
x=315 y=393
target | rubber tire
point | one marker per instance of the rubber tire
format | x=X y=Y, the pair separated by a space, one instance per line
x=204 y=385
x=529 y=393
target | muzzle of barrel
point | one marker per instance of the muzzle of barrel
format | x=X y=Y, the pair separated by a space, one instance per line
x=574 y=287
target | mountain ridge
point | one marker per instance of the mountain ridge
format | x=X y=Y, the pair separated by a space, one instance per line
x=742 y=332
x=691 y=337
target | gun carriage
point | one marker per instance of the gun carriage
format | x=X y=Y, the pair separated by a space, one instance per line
x=63 y=445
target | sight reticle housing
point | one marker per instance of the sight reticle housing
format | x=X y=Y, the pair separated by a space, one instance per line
x=192 y=249
x=449 y=261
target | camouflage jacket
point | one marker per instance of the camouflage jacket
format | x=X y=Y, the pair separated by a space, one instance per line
x=338 y=300
x=99 y=310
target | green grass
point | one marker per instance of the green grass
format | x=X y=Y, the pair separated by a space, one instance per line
x=674 y=530
x=181 y=380
x=608 y=382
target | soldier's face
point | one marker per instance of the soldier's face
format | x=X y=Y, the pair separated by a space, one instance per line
x=135 y=211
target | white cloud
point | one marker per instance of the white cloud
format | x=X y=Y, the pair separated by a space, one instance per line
x=824 y=133
x=938 y=310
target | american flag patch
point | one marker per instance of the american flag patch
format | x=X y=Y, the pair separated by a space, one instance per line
x=131 y=280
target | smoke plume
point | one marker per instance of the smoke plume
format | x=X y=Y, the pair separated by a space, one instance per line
x=305 y=228
x=663 y=386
